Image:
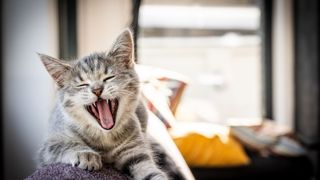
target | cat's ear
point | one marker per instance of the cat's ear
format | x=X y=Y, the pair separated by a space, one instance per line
x=123 y=49
x=55 y=67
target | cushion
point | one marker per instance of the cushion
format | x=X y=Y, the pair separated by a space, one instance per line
x=66 y=171
x=207 y=145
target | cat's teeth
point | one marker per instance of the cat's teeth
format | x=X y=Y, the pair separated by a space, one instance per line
x=113 y=105
x=94 y=104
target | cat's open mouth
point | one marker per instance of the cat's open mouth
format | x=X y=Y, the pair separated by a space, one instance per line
x=105 y=112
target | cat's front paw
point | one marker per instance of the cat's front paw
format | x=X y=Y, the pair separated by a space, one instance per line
x=87 y=160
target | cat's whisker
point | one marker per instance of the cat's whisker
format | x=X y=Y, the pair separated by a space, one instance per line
x=127 y=93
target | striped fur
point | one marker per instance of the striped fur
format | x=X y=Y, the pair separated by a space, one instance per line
x=75 y=136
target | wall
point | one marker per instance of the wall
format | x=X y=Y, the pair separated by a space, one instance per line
x=99 y=23
x=29 y=27
x=283 y=99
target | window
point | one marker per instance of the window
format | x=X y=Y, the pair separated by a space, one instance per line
x=216 y=44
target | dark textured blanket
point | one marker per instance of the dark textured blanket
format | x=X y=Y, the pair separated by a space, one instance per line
x=65 y=171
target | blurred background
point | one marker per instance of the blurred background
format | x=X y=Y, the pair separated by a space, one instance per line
x=246 y=61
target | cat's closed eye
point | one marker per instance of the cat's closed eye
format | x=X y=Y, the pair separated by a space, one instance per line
x=83 y=85
x=108 y=78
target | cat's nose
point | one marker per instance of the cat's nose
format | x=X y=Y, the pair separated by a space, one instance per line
x=97 y=91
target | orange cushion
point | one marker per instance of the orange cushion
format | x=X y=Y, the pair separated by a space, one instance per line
x=201 y=150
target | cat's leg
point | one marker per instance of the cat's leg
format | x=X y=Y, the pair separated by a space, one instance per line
x=135 y=159
x=61 y=149
x=164 y=161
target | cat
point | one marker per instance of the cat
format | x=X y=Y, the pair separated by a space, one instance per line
x=99 y=118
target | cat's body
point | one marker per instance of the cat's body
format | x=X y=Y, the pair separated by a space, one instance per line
x=98 y=117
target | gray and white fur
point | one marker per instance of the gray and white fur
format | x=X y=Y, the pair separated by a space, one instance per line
x=75 y=136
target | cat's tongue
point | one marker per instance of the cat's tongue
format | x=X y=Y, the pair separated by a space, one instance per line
x=105 y=115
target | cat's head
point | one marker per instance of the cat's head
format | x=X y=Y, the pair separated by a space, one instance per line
x=100 y=87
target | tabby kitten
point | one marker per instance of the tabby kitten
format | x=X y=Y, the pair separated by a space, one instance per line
x=98 y=117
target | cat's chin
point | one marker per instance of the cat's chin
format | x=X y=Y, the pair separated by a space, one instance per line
x=104 y=111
